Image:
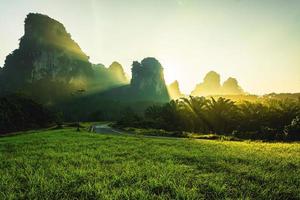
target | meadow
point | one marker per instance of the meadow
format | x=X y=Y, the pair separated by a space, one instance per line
x=65 y=164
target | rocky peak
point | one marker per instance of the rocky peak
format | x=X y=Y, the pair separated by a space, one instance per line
x=148 y=77
x=41 y=30
x=211 y=86
x=212 y=79
x=231 y=86
x=46 y=51
x=117 y=71
x=175 y=84
x=48 y=64
x=174 y=90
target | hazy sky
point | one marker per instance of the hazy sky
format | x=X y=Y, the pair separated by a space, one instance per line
x=255 y=41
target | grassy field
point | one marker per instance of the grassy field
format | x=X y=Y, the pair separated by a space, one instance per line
x=64 y=164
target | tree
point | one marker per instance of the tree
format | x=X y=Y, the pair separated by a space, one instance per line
x=78 y=92
x=222 y=115
x=194 y=110
x=292 y=130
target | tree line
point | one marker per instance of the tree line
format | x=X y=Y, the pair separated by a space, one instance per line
x=18 y=112
x=268 y=120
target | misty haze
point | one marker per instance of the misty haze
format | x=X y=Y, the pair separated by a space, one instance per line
x=175 y=99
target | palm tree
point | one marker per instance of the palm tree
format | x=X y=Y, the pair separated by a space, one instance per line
x=222 y=114
x=253 y=116
x=194 y=109
x=171 y=116
x=282 y=113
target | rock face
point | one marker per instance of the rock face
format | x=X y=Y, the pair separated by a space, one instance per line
x=47 y=51
x=211 y=86
x=46 y=56
x=148 y=79
x=106 y=78
x=117 y=71
x=174 y=90
x=231 y=87
x=49 y=65
x=147 y=84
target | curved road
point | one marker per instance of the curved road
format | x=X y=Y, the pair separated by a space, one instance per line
x=106 y=129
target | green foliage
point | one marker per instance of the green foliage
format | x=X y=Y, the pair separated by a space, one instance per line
x=19 y=113
x=65 y=164
x=292 y=130
x=264 y=121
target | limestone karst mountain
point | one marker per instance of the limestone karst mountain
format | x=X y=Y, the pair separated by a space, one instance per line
x=148 y=78
x=174 y=90
x=147 y=84
x=117 y=71
x=211 y=85
x=50 y=66
x=46 y=51
x=231 y=87
x=106 y=78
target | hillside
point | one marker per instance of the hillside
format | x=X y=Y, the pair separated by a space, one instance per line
x=64 y=164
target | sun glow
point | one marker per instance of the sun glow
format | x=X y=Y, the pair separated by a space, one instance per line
x=243 y=39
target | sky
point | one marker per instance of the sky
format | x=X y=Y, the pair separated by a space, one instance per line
x=255 y=41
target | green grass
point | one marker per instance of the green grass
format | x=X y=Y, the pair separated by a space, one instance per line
x=164 y=133
x=64 y=164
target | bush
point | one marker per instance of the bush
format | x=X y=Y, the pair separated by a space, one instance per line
x=292 y=130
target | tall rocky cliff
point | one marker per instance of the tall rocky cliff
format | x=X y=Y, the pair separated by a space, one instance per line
x=49 y=65
x=148 y=78
x=47 y=51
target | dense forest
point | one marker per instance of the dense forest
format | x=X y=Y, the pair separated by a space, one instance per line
x=268 y=120
x=21 y=113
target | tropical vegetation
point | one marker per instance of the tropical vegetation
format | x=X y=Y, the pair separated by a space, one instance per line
x=268 y=120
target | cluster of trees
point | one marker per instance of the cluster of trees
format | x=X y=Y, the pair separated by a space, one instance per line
x=21 y=113
x=268 y=120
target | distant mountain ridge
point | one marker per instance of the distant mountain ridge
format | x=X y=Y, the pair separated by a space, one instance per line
x=211 y=85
